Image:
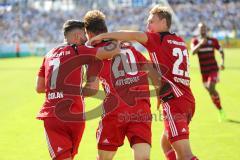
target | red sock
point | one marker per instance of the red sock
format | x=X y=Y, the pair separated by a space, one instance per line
x=170 y=155
x=216 y=101
x=194 y=158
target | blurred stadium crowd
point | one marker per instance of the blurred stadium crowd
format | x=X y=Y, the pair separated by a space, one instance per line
x=33 y=24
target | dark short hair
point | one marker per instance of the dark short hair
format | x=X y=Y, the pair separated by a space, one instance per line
x=69 y=25
x=95 y=22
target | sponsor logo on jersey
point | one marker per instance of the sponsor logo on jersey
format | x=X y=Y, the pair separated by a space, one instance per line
x=59 y=149
x=176 y=43
x=106 y=141
x=184 y=130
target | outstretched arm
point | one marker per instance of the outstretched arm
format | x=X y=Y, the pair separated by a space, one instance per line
x=109 y=51
x=125 y=35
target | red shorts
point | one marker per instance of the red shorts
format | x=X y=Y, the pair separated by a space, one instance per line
x=63 y=138
x=133 y=122
x=177 y=113
x=210 y=78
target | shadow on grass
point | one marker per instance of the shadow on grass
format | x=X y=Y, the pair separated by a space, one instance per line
x=233 y=121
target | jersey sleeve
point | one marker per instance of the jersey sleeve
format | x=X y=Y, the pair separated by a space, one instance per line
x=216 y=44
x=84 y=50
x=41 y=72
x=87 y=54
x=152 y=39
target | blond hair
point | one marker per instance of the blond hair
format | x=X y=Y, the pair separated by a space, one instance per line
x=163 y=13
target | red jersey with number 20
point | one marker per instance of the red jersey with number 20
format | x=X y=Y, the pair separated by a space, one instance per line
x=62 y=70
x=124 y=82
x=169 y=54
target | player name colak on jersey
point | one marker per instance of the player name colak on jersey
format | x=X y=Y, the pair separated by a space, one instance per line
x=55 y=95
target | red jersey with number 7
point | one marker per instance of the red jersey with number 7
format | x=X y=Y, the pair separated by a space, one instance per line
x=62 y=70
x=169 y=54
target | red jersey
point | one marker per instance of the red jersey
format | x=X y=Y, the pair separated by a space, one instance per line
x=124 y=82
x=169 y=54
x=207 y=61
x=62 y=70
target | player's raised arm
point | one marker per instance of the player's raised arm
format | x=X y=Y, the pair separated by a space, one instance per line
x=125 y=35
x=195 y=48
x=109 y=51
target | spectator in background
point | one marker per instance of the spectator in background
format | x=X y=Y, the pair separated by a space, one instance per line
x=32 y=25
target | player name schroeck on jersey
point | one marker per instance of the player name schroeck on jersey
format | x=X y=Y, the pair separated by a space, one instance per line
x=185 y=82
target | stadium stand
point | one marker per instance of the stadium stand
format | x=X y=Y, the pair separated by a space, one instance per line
x=32 y=24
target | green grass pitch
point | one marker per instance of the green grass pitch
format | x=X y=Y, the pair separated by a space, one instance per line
x=22 y=136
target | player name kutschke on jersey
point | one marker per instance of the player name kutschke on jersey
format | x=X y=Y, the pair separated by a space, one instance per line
x=181 y=80
x=127 y=81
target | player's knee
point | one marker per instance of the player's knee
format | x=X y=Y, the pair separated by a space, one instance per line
x=105 y=157
x=207 y=87
x=142 y=156
x=68 y=159
x=141 y=151
x=165 y=144
x=184 y=157
x=183 y=149
x=212 y=91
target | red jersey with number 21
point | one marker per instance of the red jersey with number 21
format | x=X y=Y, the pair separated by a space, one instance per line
x=169 y=54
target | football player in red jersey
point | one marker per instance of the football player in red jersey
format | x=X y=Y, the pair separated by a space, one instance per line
x=60 y=77
x=204 y=46
x=169 y=53
x=126 y=107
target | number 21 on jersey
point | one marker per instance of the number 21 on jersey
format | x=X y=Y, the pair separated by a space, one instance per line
x=177 y=52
